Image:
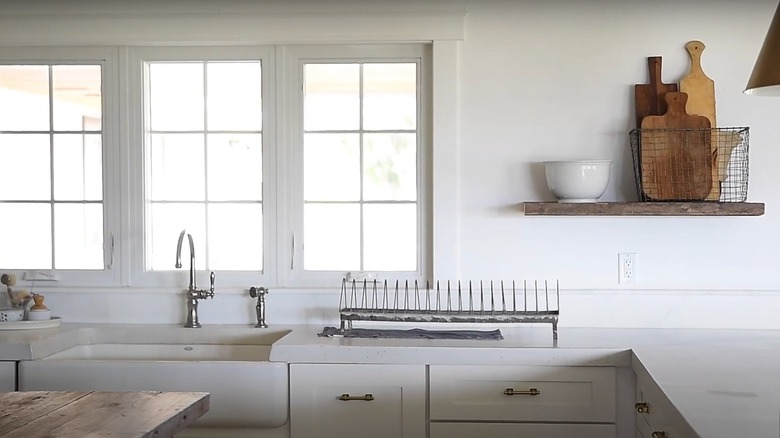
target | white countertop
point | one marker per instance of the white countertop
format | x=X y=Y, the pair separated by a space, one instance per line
x=725 y=383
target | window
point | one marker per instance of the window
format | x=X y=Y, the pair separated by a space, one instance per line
x=206 y=166
x=290 y=166
x=360 y=166
x=51 y=147
x=204 y=161
x=360 y=130
x=345 y=134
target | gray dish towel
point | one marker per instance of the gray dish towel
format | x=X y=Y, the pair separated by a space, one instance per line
x=487 y=335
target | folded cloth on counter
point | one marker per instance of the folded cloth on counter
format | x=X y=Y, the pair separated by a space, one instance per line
x=488 y=335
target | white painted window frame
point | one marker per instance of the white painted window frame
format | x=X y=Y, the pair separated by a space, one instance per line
x=292 y=238
x=140 y=273
x=108 y=58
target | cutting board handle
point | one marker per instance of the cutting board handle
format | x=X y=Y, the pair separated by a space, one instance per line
x=695 y=48
x=675 y=103
x=654 y=68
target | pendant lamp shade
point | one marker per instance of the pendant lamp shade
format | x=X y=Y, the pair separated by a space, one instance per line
x=765 y=79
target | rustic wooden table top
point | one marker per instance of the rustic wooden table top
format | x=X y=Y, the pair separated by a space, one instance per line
x=71 y=414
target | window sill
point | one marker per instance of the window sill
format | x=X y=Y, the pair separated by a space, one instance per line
x=644 y=209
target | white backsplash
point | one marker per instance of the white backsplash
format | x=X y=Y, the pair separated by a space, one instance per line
x=579 y=308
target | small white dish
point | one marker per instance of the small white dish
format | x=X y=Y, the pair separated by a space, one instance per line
x=55 y=321
x=38 y=315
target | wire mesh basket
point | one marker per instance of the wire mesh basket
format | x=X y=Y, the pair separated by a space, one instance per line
x=691 y=164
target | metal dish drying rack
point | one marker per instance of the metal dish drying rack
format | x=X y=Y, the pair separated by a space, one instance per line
x=373 y=300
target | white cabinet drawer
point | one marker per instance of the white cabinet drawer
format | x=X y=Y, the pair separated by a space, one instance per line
x=488 y=430
x=341 y=400
x=566 y=394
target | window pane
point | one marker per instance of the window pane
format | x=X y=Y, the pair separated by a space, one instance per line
x=78 y=167
x=390 y=96
x=234 y=96
x=236 y=237
x=78 y=236
x=177 y=167
x=235 y=167
x=390 y=167
x=331 y=167
x=167 y=222
x=332 y=234
x=176 y=96
x=332 y=97
x=390 y=237
x=26 y=173
x=77 y=97
x=27 y=229
x=24 y=98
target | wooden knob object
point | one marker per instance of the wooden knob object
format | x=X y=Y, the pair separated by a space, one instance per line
x=38 y=300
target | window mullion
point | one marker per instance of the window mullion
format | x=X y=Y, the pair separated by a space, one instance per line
x=362 y=177
x=51 y=166
x=205 y=134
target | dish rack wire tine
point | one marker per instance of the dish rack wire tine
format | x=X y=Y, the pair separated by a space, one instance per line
x=503 y=297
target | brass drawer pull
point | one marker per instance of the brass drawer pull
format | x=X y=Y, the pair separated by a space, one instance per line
x=532 y=391
x=642 y=408
x=347 y=397
x=659 y=435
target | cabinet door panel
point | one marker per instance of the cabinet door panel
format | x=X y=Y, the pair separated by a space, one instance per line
x=7 y=376
x=643 y=429
x=662 y=415
x=506 y=430
x=573 y=394
x=396 y=408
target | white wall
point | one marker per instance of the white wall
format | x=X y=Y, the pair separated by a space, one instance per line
x=555 y=81
x=542 y=81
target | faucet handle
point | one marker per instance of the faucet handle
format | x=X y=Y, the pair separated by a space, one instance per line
x=212 y=277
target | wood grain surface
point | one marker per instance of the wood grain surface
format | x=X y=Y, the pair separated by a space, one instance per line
x=676 y=153
x=69 y=414
x=643 y=209
x=701 y=101
x=649 y=98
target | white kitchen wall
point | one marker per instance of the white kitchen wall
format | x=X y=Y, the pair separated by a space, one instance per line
x=536 y=81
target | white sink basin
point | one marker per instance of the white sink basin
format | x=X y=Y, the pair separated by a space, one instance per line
x=166 y=352
x=247 y=390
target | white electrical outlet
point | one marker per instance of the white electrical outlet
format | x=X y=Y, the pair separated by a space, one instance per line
x=627 y=268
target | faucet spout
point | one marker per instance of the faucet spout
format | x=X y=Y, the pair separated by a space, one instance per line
x=193 y=281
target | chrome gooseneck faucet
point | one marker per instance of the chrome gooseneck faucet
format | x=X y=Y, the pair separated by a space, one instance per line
x=193 y=293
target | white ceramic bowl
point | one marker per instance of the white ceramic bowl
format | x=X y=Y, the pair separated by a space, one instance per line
x=8 y=315
x=577 y=181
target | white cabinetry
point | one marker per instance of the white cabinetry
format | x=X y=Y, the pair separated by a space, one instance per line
x=656 y=416
x=480 y=401
x=7 y=376
x=346 y=400
x=489 y=430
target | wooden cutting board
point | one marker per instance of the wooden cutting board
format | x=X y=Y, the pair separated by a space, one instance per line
x=676 y=153
x=649 y=98
x=701 y=101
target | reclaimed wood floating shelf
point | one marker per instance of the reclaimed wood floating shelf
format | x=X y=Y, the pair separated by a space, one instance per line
x=644 y=209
